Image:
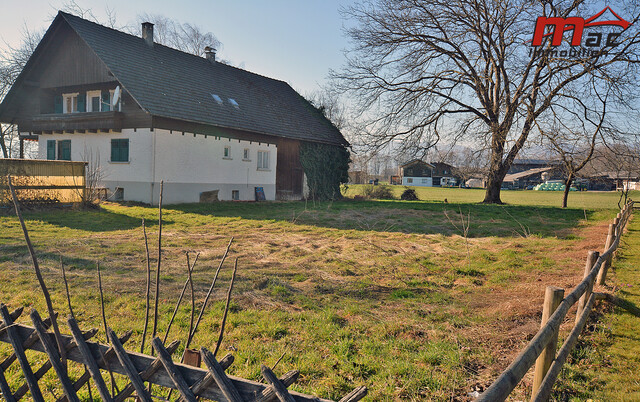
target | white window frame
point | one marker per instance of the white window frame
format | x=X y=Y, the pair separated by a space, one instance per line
x=262 y=164
x=246 y=155
x=93 y=94
x=226 y=153
x=74 y=105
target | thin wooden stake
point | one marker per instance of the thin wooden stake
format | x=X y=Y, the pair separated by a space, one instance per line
x=54 y=358
x=172 y=370
x=146 y=374
x=129 y=367
x=114 y=389
x=213 y=283
x=146 y=309
x=280 y=390
x=66 y=287
x=89 y=360
x=36 y=267
x=175 y=309
x=269 y=394
x=592 y=257
x=207 y=380
x=226 y=309
x=157 y=294
x=552 y=298
x=355 y=395
x=5 y=389
x=221 y=379
x=16 y=342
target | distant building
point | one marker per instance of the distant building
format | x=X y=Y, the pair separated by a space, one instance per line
x=443 y=170
x=417 y=173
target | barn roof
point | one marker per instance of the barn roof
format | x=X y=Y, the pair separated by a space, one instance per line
x=169 y=83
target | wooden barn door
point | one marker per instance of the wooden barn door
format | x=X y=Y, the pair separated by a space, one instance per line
x=289 y=172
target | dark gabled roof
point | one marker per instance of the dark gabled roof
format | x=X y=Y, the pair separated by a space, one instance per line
x=169 y=83
x=416 y=162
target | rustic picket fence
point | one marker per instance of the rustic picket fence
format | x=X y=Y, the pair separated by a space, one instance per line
x=541 y=350
x=191 y=382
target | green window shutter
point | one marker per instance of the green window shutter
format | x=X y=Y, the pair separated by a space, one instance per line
x=120 y=150
x=57 y=104
x=64 y=150
x=106 y=101
x=82 y=102
x=51 y=149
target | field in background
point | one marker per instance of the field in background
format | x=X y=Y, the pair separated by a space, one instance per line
x=388 y=294
x=577 y=199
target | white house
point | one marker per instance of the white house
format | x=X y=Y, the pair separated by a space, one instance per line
x=140 y=113
x=417 y=173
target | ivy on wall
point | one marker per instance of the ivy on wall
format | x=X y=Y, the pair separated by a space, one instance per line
x=326 y=167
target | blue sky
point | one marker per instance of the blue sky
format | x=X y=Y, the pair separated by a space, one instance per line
x=296 y=41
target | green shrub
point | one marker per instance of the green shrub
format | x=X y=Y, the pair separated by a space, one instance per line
x=409 y=194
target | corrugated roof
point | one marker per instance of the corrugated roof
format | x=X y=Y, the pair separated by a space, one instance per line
x=169 y=83
x=526 y=173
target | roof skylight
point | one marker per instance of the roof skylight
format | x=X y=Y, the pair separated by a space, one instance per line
x=234 y=103
x=217 y=99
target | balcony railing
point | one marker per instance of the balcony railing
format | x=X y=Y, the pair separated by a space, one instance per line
x=90 y=121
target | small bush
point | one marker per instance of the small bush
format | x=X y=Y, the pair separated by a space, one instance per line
x=378 y=192
x=409 y=194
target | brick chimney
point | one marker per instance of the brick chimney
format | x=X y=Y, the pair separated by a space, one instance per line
x=210 y=53
x=147 y=33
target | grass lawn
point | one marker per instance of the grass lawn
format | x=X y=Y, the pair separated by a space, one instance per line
x=387 y=294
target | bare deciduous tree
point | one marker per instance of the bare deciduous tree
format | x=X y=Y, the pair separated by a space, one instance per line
x=573 y=138
x=422 y=70
x=182 y=36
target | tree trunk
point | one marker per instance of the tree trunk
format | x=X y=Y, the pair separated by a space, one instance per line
x=567 y=188
x=5 y=154
x=492 y=194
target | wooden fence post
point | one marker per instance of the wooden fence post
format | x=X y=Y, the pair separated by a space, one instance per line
x=592 y=257
x=602 y=275
x=552 y=298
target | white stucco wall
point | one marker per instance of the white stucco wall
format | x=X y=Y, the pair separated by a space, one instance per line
x=187 y=164
x=417 y=181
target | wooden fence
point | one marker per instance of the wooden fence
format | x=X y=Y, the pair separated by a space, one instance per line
x=43 y=181
x=541 y=350
x=191 y=382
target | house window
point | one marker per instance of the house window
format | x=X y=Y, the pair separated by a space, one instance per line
x=409 y=172
x=425 y=181
x=227 y=153
x=64 y=150
x=235 y=195
x=246 y=154
x=51 y=149
x=93 y=101
x=106 y=101
x=263 y=160
x=409 y=180
x=69 y=103
x=118 y=195
x=120 y=150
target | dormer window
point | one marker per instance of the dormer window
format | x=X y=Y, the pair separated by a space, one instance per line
x=70 y=103
x=94 y=101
